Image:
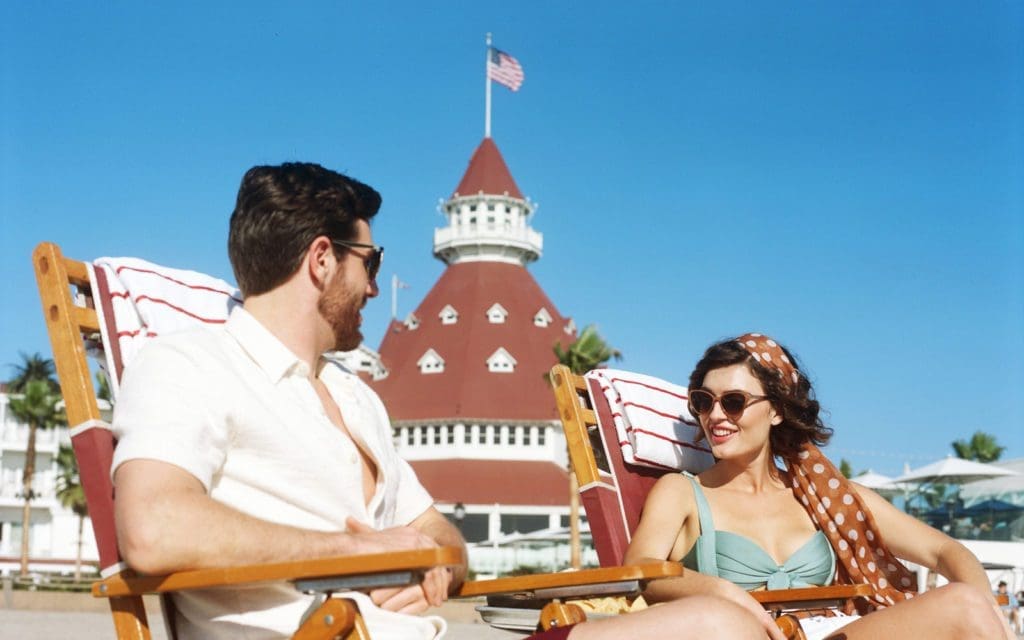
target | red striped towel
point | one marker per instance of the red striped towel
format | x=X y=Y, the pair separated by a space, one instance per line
x=652 y=421
x=148 y=300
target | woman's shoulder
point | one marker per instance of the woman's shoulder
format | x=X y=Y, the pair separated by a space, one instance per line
x=675 y=487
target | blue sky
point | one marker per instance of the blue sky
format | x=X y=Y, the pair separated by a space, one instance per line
x=847 y=178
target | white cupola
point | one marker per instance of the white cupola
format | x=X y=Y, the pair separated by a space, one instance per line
x=488 y=217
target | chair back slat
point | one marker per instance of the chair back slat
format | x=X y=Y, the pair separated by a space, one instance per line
x=70 y=320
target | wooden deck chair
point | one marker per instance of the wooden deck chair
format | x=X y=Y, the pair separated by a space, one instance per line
x=79 y=305
x=616 y=468
x=76 y=322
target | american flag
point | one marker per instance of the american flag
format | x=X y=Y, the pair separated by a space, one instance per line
x=505 y=69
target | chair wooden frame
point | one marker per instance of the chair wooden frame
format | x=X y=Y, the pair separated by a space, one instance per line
x=68 y=319
x=612 y=493
x=71 y=320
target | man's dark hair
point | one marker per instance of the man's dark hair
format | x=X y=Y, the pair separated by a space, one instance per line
x=280 y=210
x=795 y=403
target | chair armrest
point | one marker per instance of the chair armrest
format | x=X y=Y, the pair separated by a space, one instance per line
x=573 y=584
x=334 y=573
x=810 y=597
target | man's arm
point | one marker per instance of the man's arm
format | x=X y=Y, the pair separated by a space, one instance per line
x=166 y=522
x=437 y=527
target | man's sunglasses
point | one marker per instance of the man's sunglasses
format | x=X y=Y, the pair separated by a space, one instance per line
x=372 y=262
x=734 y=403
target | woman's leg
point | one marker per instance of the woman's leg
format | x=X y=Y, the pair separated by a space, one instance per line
x=954 y=612
x=693 y=617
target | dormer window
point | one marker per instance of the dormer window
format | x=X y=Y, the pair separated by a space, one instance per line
x=542 y=318
x=497 y=314
x=412 y=322
x=570 y=327
x=448 y=315
x=501 y=361
x=430 y=362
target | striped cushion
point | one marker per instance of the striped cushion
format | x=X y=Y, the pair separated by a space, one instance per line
x=147 y=300
x=652 y=421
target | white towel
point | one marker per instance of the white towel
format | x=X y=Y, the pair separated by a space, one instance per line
x=652 y=421
x=150 y=300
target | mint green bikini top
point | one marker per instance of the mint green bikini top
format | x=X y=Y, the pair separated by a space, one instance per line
x=740 y=560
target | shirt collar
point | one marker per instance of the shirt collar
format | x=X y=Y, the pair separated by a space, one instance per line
x=266 y=350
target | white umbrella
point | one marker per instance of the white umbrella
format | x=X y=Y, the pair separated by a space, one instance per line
x=954 y=470
x=883 y=485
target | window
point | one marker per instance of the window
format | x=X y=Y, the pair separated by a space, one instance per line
x=439 y=434
x=472 y=207
x=542 y=435
x=412 y=322
x=497 y=314
x=408 y=436
x=501 y=361
x=448 y=315
x=430 y=362
x=490 y=207
x=523 y=523
x=450 y=435
x=474 y=526
x=542 y=318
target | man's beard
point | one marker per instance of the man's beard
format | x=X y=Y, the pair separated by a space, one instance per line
x=341 y=310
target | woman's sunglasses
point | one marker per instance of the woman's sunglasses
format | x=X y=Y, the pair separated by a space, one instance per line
x=733 y=403
x=371 y=262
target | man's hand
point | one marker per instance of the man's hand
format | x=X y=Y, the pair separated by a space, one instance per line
x=416 y=598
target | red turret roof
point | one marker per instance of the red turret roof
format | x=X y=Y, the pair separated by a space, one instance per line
x=487 y=173
x=466 y=389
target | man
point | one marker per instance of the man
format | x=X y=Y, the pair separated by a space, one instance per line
x=247 y=444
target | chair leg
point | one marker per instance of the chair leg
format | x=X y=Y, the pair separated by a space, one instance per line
x=790 y=627
x=560 y=614
x=130 y=621
x=335 y=618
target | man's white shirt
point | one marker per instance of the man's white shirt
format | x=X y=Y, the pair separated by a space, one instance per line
x=235 y=408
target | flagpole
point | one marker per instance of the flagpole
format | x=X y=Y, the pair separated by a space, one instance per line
x=487 y=91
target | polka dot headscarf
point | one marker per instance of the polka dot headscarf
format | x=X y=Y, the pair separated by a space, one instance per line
x=832 y=503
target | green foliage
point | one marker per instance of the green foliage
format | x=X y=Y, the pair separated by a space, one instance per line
x=37 y=406
x=32 y=367
x=982 y=447
x=845 y=468
x=587 y=352
x=69 y=484
x=103 y=387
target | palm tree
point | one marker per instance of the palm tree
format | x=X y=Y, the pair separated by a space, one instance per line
x=37 y=407
x=32 y=367
x=588 y=351
x=72 y=496
x=982 y=447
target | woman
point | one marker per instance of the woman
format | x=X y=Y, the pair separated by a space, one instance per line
x=747 y=523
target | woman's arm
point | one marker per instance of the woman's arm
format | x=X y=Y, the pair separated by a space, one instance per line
x=910 y=539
